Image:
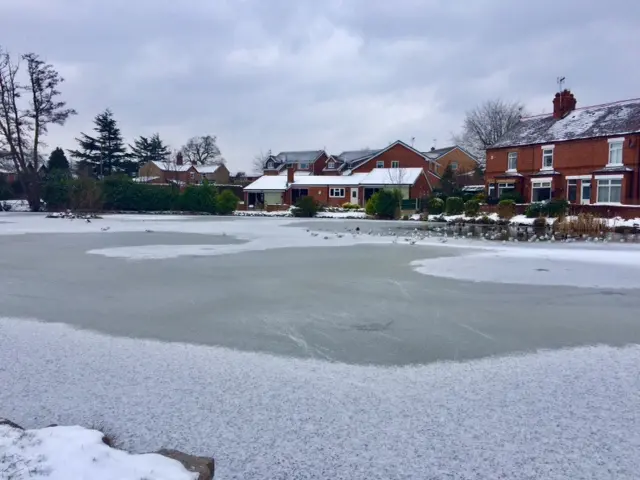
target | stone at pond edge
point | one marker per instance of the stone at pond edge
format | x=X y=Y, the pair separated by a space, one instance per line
x=203 y=466
x=4 y=421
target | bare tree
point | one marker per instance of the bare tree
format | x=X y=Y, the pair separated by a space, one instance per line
x=257 y=165
x=203 y=151
x=26 y=111
x=486 y=124
x=397 y=178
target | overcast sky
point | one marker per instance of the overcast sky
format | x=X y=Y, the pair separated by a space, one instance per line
x=312 y=74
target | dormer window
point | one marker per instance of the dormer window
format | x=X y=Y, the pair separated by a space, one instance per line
x=304 y=166
x=331 y=165
x=269 y=164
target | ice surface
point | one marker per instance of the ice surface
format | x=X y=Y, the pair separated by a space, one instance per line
x=66 y=453
x=570 y=414
x=587 y=268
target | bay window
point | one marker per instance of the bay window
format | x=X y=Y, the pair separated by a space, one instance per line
x=615 y=151
x=540 y=190
x=609 y=190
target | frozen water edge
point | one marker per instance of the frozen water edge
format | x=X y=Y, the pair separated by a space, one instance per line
x=551 y=415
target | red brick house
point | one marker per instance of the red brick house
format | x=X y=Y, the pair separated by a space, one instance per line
x=588 y=155
x=352 y=176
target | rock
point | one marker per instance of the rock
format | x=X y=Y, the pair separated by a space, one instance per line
x=4 y=421
x=203 y=466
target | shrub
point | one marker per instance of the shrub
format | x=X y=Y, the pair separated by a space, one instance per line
x=557 y=207
x=481 y=197
x=384 y=203
x=56 y=192
x=5 y=189
x=454 y=206
x=370 y=208
x=85 y=194
x=540 y=226
x=306 y=207
x=513 y=195
x=435 y=206
x=471 y=208
x=583 y=224
x=350 y=206
x=506 y=209
x=534 y=210
x=201 y=198
x=227 y=202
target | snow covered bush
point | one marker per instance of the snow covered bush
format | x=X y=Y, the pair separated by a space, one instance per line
x=351 y=206
x=471 y=208
x=506 y=209
x=454 y=206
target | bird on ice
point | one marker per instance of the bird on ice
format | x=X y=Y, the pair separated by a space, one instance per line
x=104 y=229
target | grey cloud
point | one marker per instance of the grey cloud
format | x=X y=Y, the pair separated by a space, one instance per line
x=339 y=74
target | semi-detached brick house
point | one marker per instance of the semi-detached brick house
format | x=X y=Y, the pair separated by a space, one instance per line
x=588 y=155
x=352 y=176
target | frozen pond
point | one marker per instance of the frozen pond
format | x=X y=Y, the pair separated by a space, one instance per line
x=360 y=304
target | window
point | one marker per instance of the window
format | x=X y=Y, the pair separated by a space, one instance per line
x=540 y=190
x=586 y=192
x=609 y=190
x=395 y=164
x=615 y=152
x=572 y=191
x=505 y=188
x=454 y=166
x=512 y=162
x=547 y=158
x=269 y=164
x=331 y=165
x=192 y=175
x=380 y=164
x=336 y=192
x=492 y=190
x=304 y=166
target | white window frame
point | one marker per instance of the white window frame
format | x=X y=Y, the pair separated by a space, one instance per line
x=512 y=156
x=539 y=183
x=608 y=179
x=615 y=145
x=269 y=164
x=304 y=166
x=572 y=182
x=545 y=150
x=336 y=192
x=192 y=175
x=502 y=187
x=395 y=164
x=379 y=163
x=331 y=165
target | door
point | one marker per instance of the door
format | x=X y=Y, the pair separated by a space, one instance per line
x=585 y=192
x=354 y=196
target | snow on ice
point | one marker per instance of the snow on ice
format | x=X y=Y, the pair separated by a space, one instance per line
x=550 y=415
x=65 y=453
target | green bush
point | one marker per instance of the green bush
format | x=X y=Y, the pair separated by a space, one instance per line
x=471 y=208
x=200 y=198
x=121 y=193
x=506 y=209
x=481 y=197
x=385 y=203
x=435 y=206
x=227 y=202
x=454 y=206
x=56 y=191
x=85 y=194
x=513 y=195
x=370 y=208
x=306 y=207
x=552 y=208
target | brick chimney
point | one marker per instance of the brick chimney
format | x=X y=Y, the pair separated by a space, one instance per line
x=290 y=170
x=179 y=160
x=563 y=104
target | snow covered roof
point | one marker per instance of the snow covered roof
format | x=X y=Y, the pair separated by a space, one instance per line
x=391 y=176
x=353 y=155
x=145 y=179
x=606 y=120
x=207 y=168
x=378 y=176
x=306 y=156
x=171 y=167
x=435 y=153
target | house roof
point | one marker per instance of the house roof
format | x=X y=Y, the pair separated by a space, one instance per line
x=377 y=177
x=171 y=167
x=306 y=156
x=207 y=168
x=354 y=155
x=606 y=120
x=436 y=153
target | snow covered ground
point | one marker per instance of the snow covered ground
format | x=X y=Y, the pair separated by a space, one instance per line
x=569 y=414
x=73 y=452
